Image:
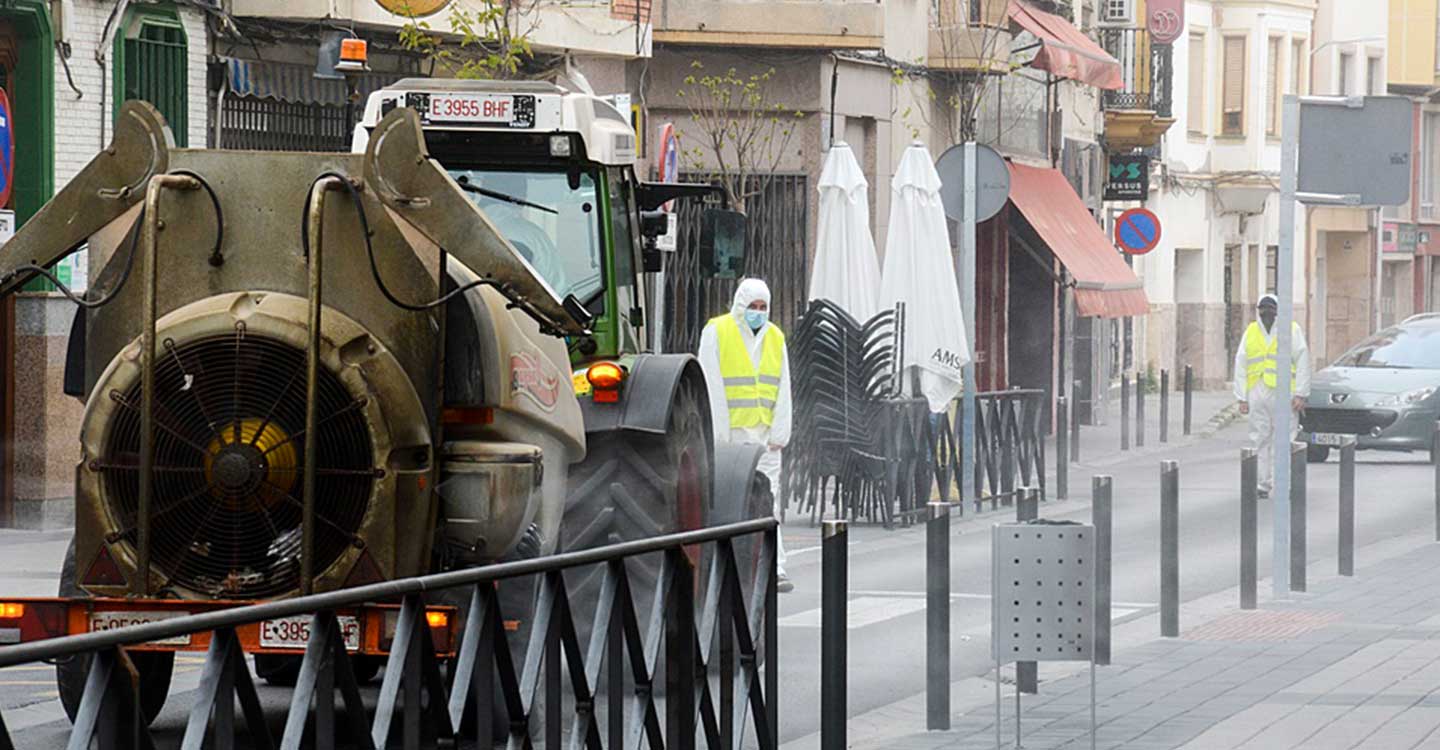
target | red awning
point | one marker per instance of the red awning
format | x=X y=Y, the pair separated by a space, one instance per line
x=1104 y=285
x=1064 y=51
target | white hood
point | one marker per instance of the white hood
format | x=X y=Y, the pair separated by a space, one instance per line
x=847 y=270
x=920 y=272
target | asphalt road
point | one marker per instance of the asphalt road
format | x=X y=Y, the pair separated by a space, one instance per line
x=887 y=623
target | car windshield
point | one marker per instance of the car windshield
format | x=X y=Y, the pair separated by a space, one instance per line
x=554 y=226
x=1405 y=347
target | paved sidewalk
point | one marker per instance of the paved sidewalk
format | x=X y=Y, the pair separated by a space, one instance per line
x=1355 y=663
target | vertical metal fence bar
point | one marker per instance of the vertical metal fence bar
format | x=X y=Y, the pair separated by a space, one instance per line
x=1102 y=516
x=1297 y=516
x=937 y=617
x=1189 y=387
x=834 y=564
x=410 y=682
x=1062 y=448
x=772 y=643
x=1124 y=412
x=1170 y=549
x=1164 y=406
x=324 y=693
x=1346 y=553
x=1249 y=533
x=730 y=592
x=615 y=673
x=679 y=657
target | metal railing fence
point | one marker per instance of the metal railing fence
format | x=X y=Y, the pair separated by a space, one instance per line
x=723 y=645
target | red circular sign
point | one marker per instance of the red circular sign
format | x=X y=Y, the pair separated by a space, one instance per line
x=1137 y=231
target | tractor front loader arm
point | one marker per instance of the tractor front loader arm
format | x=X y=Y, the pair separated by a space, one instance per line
x=113 y=182
x=416 y=188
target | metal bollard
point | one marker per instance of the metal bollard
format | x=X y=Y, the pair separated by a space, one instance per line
x=1027 y=508
x=1062 y=448
x=834 y=564
x=1249 y=535
x=937 y=617
x=1164 y=406
x=1074 y=437
x=1189 y=388
x=1297 y=516
x=1347 y=507
x=1435 y=459
x=1124 y=412
x=1101 y=488
x=1139 y=410
x=1169 y=549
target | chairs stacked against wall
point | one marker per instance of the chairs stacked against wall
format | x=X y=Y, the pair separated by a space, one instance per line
x=842 y=372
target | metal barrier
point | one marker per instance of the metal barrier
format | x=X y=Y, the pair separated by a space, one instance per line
x=618 y=649
x=1009 y=445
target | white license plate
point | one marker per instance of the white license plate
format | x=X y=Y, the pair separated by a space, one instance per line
x=112 y=620
x=294 y=632
x=1327 y=438
x=490 y=109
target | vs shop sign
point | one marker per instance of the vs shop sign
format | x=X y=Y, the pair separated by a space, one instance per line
x=1129 y=178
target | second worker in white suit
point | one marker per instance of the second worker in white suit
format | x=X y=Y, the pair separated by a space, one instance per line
x=747 y=374
x=1255 y=381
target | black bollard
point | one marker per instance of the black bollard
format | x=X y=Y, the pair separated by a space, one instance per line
x=1164 y=406
x=1027 y=508
x=1062 y=448
x=1189 y=388
x=1125 y=412
x=834 y=575
x=1249 y=535
x=1139 y=410
x=937 y=617
x=1169 y=549
x=1101 y=487
x=1347 y=507
x=1297 y=516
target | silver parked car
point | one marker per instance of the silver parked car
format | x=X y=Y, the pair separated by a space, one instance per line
x=1385 y=391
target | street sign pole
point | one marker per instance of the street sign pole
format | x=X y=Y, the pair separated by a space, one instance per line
x=967 y=311
x=1285 y=293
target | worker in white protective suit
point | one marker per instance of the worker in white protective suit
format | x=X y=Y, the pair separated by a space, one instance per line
x=1255 y=380
x=747 y=372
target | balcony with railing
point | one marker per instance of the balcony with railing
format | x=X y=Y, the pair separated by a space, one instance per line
x=1139 y=112
x=969 y=36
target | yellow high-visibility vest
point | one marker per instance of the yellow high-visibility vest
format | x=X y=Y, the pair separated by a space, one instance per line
x=750 y=393
x=1260 y=356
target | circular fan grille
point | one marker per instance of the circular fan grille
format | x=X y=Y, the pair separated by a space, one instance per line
x=229 y=458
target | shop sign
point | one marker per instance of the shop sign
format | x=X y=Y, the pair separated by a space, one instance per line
x=1129 y=178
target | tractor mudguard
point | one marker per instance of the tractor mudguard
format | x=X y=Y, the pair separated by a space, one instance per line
x=655 y=378
x=735 y=477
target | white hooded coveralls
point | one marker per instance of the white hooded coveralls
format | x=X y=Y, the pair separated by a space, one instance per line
x=777 y=433
x=1261 y=400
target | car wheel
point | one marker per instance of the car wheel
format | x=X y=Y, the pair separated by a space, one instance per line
x=1316 y=454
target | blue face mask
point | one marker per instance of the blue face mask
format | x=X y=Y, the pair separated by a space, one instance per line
x=757 y=319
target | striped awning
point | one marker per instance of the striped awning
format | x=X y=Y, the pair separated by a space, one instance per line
x=291 y=82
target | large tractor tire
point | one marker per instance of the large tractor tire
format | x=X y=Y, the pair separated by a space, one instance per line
x=155 y=667
x=635 y=485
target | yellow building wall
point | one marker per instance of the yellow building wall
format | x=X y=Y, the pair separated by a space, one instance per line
x=1412 y=42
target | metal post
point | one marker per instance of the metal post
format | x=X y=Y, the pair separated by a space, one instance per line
x=1435 y=459
x=1124 y=412
x=1249 y=534
x=680 y=708
x=1062 y=448
x=1347 y=507
x=833 y=613
x=1297 y=516
x=1139 y=410
x=1189 y=387
x=772 y=640
x=1170 y=549
x=1164 y=406
x=1074 y=437
x=1101 y=488
x=937 y=617
x=1027 y=508
x=1285 y=292
x=967 y=276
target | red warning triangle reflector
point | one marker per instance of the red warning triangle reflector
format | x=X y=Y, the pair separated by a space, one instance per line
x=104 y=571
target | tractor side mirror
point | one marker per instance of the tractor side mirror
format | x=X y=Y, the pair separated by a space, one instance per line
x=722 y=243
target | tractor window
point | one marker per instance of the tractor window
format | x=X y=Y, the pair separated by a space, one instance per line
x=624 y=232
x=555 y=227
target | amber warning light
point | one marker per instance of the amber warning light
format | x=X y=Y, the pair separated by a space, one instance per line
x=11 y=610
x=605 y=378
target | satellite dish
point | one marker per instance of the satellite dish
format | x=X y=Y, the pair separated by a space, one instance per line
x=992 y=179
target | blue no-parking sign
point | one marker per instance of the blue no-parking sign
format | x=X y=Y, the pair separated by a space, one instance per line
x=1137 y=231
x=7 y=149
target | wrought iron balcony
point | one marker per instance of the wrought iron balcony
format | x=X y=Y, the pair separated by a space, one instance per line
x=1148 y=70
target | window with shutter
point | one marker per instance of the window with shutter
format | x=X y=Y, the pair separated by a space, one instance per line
x=1347 y=66
x=152 y=65
x=1375 y=76
x=1272 y=87
x=1195 y=116
x=1232 y=113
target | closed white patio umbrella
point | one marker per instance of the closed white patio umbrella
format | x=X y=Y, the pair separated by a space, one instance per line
x=847 y=271
x=920 y=272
